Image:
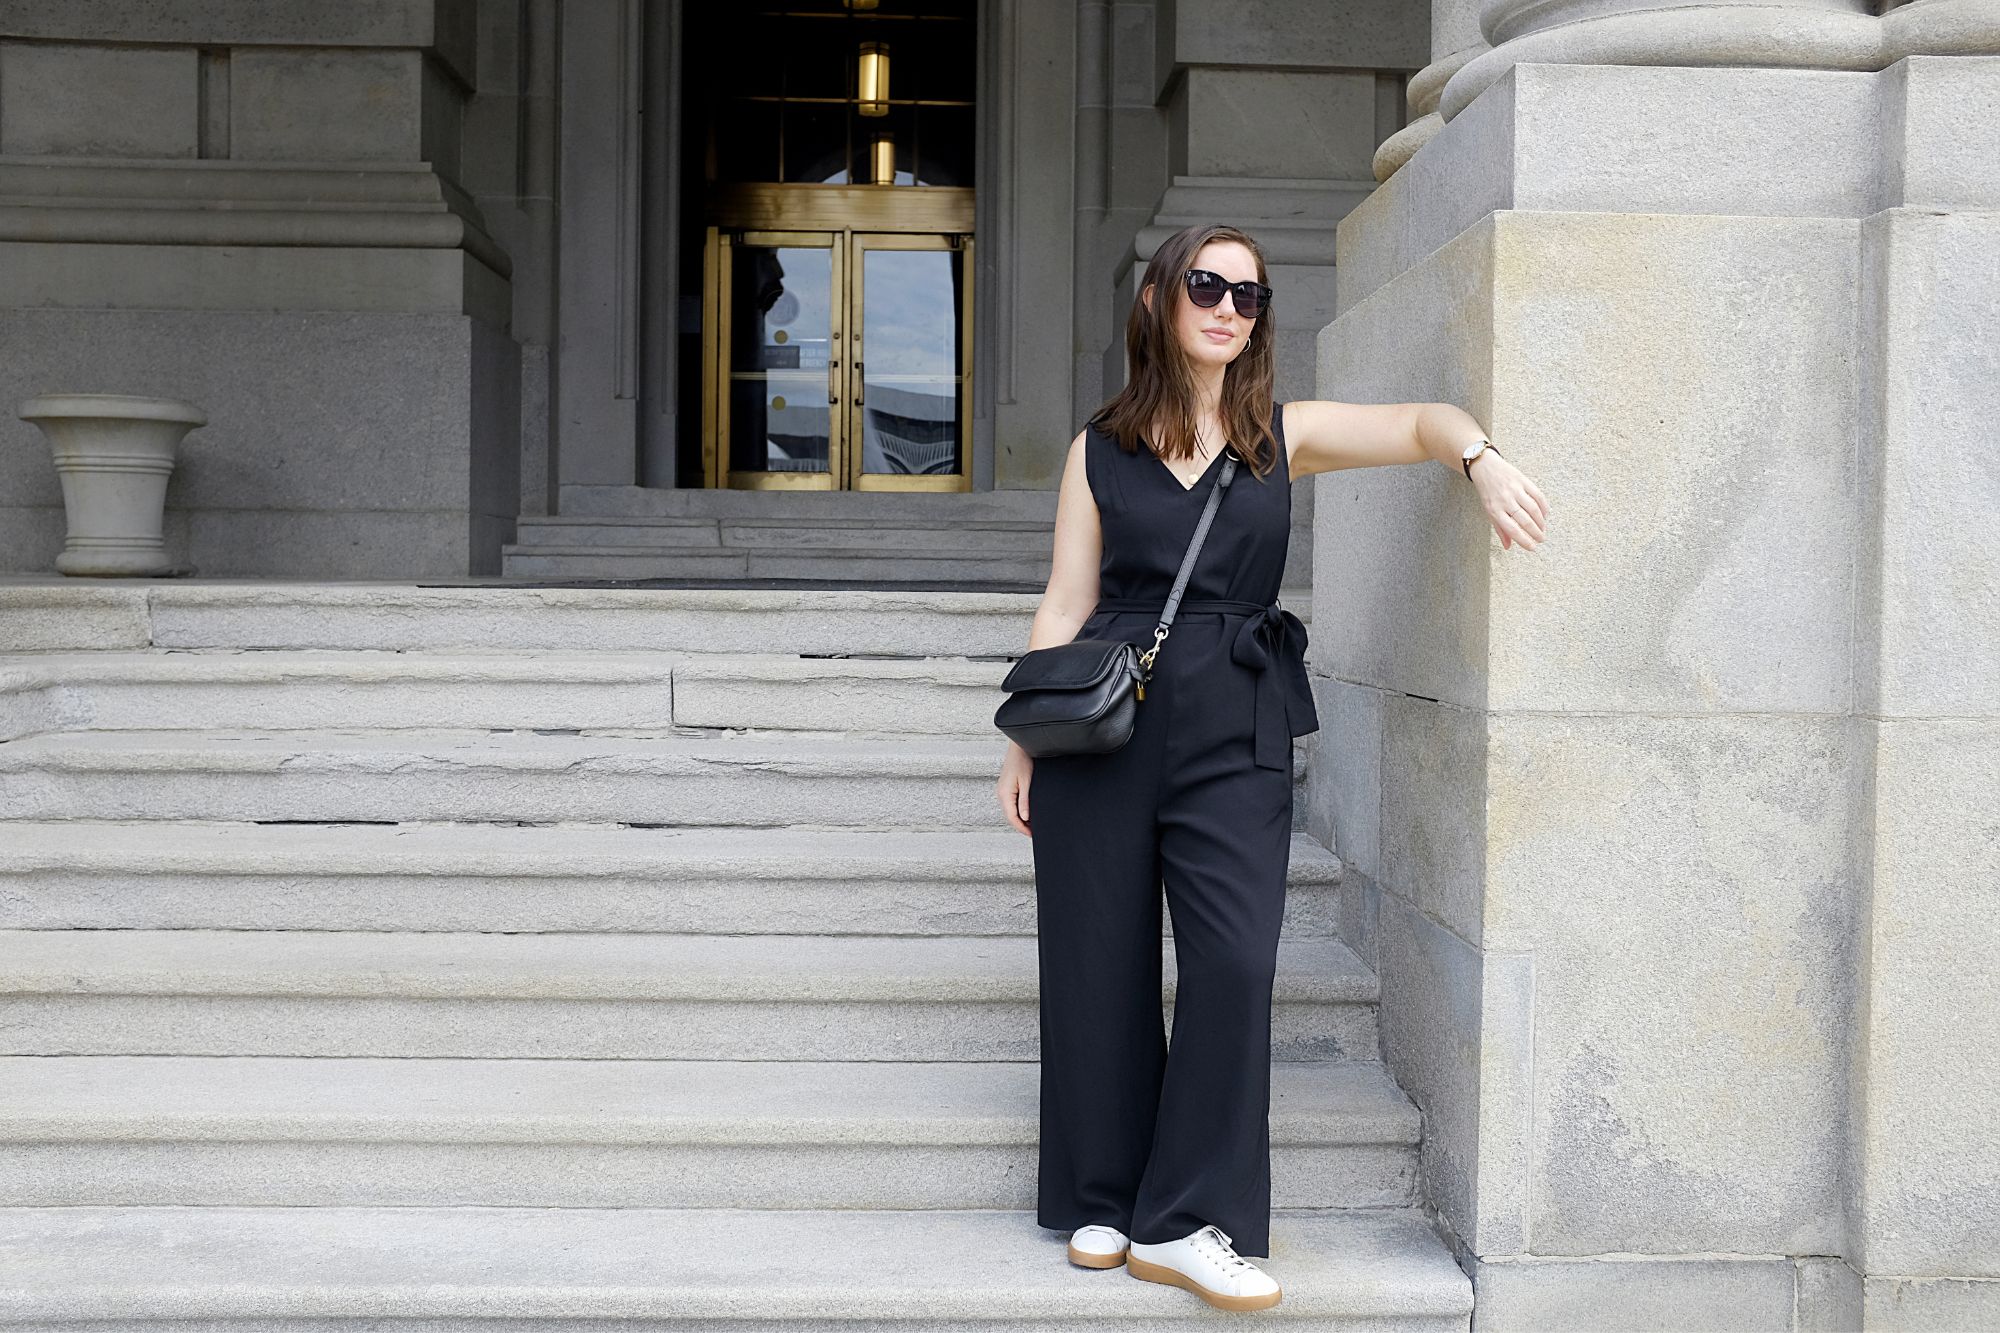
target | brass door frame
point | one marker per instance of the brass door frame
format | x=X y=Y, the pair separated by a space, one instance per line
x=855 y=478
x=847 y=219
x=715 y=364
x=796 y=207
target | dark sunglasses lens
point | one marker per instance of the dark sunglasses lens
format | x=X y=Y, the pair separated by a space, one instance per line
x=1250 y=301
x=1205 y=289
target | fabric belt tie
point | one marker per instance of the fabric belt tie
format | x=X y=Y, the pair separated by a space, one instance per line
x=1271 y=641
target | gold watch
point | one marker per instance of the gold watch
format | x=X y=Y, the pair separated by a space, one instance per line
x=1472 y=451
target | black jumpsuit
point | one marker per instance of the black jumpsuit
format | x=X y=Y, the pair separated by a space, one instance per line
x=1156 y=1140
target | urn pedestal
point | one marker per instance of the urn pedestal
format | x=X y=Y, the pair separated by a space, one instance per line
x=114 y=453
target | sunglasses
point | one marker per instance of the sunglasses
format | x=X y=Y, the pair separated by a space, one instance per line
x=1205 y=289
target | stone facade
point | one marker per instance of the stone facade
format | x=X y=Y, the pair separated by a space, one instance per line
x=1677 y=874
x=262 y=209
x=1670 y=844
x=417 y=260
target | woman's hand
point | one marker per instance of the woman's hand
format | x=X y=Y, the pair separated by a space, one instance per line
x=1015 y=771
x=1513 y=503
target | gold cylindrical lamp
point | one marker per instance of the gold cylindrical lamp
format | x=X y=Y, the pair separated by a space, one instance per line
x=882 y=159
x=873 y=80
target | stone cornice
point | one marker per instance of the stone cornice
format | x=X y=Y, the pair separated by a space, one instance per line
x=222 y=203
x=1294 y=220
x=443 y=27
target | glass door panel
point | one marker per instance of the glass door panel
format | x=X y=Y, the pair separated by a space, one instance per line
x=908 y=335
x=781 y=315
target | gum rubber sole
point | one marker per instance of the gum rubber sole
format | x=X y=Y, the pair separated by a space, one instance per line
x=1152 y=1272
x=1085 y=1259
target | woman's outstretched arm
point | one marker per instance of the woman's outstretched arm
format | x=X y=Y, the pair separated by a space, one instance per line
x=1325 y=436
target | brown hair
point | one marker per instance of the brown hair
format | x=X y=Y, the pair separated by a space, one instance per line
x=1162 y=389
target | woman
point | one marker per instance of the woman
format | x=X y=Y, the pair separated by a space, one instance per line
x=1171 y=1146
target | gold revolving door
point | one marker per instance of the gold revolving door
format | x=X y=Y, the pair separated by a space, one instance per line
x=842 y=359
x=837 y=256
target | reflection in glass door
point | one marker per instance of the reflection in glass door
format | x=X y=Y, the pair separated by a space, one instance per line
x=781 y=334
x=908 y=335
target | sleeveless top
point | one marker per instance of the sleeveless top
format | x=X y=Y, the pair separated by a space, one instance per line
x=1148 y=517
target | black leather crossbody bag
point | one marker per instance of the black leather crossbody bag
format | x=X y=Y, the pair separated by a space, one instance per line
x=1082 y=697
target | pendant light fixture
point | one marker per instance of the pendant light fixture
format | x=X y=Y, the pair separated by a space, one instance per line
x=882 y=159
x=872 y=81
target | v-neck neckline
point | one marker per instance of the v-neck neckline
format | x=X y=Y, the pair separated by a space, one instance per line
x=1186 y=488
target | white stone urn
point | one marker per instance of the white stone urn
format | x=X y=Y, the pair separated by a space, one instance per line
x=114 y=453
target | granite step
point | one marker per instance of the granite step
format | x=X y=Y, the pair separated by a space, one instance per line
x=834 y=564
x=42 y=614
x=156 y=1130
x=149 y=875
x=650 y=1270
x=952 y=535
x=599 y=692
x=880 y=508
x=38 y=615
x=597 y=996
x=855 y=780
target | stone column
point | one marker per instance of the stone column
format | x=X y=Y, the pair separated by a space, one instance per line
x=1272 y=114
x=1673 y=842
x=261 y=208
x=1455 y=40
x=1473 y=43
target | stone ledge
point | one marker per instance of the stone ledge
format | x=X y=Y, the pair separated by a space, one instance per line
x=47 y=613
x=600 y=996
x=588 y=878
x=222 y=202
x=768 y=1103
x=703 y=1270
x=152 y=1131
x=440 y=965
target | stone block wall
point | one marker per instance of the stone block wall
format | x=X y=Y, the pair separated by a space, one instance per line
x=261 y=209
x=1669 y=840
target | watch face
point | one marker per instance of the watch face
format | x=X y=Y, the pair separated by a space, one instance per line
x=1472 y=450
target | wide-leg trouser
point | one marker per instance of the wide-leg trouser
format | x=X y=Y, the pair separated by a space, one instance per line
x=1158 y=1138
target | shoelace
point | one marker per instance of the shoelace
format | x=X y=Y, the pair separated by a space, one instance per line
x=1218 y=1247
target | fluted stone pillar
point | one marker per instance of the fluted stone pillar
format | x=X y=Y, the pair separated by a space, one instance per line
x=1673 y=843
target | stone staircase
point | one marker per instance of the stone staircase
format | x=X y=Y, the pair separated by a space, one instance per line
x=997 y=540
x=512 y=958
x=970 y=539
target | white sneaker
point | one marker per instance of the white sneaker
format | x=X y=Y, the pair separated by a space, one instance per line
x=1097 y=1246
x=1205 y=1264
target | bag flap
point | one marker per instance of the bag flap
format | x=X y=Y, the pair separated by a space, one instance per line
x=1066 y=666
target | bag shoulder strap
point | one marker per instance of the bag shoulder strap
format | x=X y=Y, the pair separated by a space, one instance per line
x=1187 y=561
